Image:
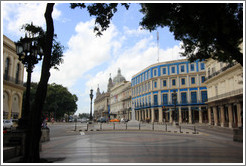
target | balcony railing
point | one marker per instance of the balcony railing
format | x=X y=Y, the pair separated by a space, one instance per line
x=13 y=80
x=225 y=95
x=220 y=71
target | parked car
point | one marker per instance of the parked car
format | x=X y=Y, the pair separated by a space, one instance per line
x=124 y=120
x=102 y=120
x=114 y=120
x=84 y=120
x=7 y=124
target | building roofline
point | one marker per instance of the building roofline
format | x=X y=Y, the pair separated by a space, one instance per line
x=160 y=63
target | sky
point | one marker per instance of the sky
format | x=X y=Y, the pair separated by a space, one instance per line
x=89 y=60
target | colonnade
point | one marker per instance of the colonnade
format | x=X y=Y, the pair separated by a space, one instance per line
x=183 y=114
x=226 y=115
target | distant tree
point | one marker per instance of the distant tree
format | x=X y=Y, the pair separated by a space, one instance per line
x=84 y=115
x=59 y=101
x=208 y=30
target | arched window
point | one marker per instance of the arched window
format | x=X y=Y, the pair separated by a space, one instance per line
x=17 y=73
x=6 y=71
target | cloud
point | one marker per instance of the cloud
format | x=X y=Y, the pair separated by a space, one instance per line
x=132 y=60
x=135 y=32
x=85 y=51
x=17 y=14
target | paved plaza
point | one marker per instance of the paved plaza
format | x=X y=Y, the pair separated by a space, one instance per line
x=133 y=146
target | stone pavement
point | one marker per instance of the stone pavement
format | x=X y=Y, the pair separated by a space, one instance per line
x=208 y=145
x=141 y=147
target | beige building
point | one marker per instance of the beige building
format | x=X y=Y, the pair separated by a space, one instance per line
x=101 y=102
x=153 y=90
x=120 y=98
x=13 y=72
x=225 y=93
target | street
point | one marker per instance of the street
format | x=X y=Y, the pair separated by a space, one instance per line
x=212 y=145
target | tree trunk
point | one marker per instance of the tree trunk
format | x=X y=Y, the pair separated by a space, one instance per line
x=36 y=109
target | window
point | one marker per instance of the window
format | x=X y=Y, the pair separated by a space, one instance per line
x=155 y=84
x=193 y=80
x=155 y=100
x=17 y=73
x=204 y=96
x=183 y=98
x=173 y=70
x=203 y=79
x=165 y=99
x=213 y=70
x=155 y=72
x=208 y=71
x=193 y=97
x=173 y=82
x=6 y=71
x=164 y=83
x=183 y=81
x=192 y=67
x=149 y=99
x=202 y=66
x=174 y=99
x=164 y=70
x=182 y=68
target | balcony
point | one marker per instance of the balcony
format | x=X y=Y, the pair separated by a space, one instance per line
x=13 y=80
x=220 y=71
x=226 y=95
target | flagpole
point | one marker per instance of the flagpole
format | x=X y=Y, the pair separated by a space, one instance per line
x=157 y=46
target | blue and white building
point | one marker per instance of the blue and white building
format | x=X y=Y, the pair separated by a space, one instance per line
x=153 y=89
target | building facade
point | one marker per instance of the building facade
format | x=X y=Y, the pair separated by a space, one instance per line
x=13 y=73
x=154 y=87
x=225 y=93
x=101 y=102
x=120 y=98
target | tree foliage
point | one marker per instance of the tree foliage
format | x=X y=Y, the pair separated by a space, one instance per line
x=208 y=30
x=38 y=34
x=57 y=102
x=60 y=101
x=103 y=12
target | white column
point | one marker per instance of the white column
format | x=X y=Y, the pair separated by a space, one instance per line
x=239 y=115
x=200 y=115
x=160 y=115
x=190 y=119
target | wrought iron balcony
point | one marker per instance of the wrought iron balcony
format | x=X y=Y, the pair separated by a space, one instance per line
x=13 y=80
x=220 y=71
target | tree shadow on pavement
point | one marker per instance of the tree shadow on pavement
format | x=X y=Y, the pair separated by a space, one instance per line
x=51 y=160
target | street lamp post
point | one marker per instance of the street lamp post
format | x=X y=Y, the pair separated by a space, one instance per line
x=91 y=96
x=175 y=102
x=29 y=53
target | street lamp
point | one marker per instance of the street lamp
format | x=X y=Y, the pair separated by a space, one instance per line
x=175 y=102
x=91 y=96
x=29 y=53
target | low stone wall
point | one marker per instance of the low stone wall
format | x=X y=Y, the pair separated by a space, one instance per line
x=14 y=143
x=45 y=135
x=238 y=134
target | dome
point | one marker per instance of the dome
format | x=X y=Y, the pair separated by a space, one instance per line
x=119 y=78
